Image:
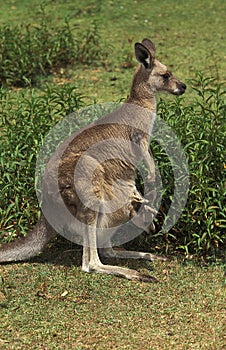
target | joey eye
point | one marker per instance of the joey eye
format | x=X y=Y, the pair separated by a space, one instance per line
x=166 y=75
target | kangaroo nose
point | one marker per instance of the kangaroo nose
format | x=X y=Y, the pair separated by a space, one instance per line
x=183 y=86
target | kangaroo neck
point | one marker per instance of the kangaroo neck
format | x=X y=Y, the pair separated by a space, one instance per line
x=141 y=92
x=149 y=103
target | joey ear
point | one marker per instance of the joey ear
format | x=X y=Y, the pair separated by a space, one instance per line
x=143 y=55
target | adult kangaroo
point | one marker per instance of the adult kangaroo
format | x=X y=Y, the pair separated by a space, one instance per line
x=95 y=176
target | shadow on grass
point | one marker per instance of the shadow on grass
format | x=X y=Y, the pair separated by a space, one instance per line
x=61 y=252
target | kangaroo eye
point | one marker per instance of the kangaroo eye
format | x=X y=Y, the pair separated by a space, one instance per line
x=166 y=76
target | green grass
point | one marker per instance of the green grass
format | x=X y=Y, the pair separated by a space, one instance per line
x=49 y=303
x=63 y=308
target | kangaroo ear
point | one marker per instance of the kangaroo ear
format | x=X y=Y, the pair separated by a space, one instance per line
x=143 y=56
x=150 y=46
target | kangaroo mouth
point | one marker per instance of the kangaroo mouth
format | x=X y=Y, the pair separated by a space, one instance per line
x=180 y=90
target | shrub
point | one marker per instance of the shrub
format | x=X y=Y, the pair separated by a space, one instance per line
x=25 y=120
x=200 y=127
x=91 y=49
x=29 y=51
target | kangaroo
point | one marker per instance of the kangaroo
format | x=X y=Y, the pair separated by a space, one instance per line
x=95 y=176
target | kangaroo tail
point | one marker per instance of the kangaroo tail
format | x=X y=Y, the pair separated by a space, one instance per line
x=30 y=245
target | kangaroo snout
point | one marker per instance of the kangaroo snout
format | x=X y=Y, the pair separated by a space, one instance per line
x=180 y=89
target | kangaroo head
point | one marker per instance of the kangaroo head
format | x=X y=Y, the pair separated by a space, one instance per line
x=152 y=76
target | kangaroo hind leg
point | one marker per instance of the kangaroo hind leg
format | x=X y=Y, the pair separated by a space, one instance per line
x=92 y=263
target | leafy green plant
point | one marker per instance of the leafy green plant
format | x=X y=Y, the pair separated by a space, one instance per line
x=29 y=51
x=91 y=49
x=200 y=127
x=25 y=121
